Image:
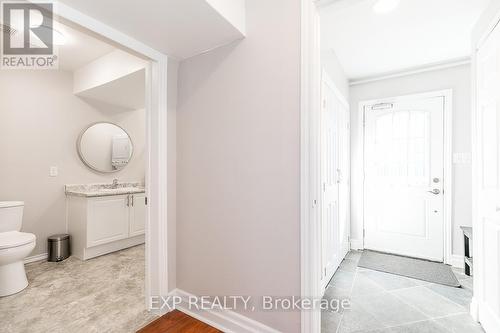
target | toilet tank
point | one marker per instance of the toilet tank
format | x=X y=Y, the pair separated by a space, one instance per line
x=11 y=215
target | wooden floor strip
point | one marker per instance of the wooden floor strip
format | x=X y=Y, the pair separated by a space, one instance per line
x=178 y=322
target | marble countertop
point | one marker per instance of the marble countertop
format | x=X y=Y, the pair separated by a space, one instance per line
x=103 y=190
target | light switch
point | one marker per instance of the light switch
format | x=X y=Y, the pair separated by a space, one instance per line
x=54 y=171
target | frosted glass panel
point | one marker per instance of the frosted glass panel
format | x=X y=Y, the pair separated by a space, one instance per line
x=402 y=148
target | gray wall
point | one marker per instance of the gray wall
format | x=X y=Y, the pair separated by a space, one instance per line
x=456 y=78
x=238 y=132
x=40 y=120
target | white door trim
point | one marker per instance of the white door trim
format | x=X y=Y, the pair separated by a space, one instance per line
x=310 y=99
x=478 y=310
x=156 y=138
x=448 y=158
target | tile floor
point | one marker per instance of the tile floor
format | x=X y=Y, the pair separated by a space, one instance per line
x=387 y=303
x=104 y=294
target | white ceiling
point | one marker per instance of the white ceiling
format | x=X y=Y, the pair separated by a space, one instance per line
x=179 y=28
x=79 y=49
x=417 y=33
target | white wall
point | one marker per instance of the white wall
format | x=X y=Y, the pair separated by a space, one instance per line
x=40 y=120
x=105 y=69
x=238 y=132
x=331 y=65
x=456 y=78
x=485 y=20
x=232 y=10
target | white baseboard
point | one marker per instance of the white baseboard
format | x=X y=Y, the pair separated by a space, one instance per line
x=356 y=244
x=457 y=261
x=38 y=257
x=225 y=320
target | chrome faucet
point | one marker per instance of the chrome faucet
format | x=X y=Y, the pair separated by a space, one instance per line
x=115 y=183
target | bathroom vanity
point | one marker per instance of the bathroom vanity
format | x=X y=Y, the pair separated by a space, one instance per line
x=104 y=218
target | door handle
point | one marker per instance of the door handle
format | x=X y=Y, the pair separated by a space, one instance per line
x=435 y=191
x=132 y=200
x=128 y=200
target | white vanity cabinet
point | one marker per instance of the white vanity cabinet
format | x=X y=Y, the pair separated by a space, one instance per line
x=104 y=224
x=137 y=224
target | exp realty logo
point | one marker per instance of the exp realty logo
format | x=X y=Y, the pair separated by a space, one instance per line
x=27 y=35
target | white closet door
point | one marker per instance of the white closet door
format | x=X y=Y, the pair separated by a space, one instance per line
x=330 y=239
x=487 y=151
x=335 y=157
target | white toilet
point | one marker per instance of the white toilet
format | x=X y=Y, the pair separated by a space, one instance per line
x=14 y=247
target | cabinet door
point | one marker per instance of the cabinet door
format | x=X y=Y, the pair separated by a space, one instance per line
x=137 y=214
x=108 y=220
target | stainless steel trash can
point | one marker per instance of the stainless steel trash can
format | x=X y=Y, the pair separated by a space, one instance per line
x=58 y=247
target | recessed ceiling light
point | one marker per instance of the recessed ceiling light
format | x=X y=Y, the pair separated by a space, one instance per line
x=385 y=6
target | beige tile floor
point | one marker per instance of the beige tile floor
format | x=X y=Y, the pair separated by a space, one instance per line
x=104 y=294
x=387 y=303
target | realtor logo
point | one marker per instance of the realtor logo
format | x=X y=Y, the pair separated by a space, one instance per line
x=27 y=35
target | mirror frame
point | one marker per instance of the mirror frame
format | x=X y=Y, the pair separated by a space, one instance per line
x=82 y=158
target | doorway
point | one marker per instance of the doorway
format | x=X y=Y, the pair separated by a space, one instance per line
x=375 y=71
x=160 y=72
x=89 y=133
x=405 y=175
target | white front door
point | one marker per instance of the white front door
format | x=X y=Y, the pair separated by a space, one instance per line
x=404 y=146
x=486 y=228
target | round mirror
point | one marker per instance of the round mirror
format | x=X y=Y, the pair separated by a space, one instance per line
x=105 y=147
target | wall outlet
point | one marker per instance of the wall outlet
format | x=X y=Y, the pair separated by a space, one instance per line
x=54 y=171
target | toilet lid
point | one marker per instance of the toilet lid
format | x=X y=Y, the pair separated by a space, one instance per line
x=15 y=238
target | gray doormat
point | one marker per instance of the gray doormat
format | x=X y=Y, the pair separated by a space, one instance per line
x=413 y=268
